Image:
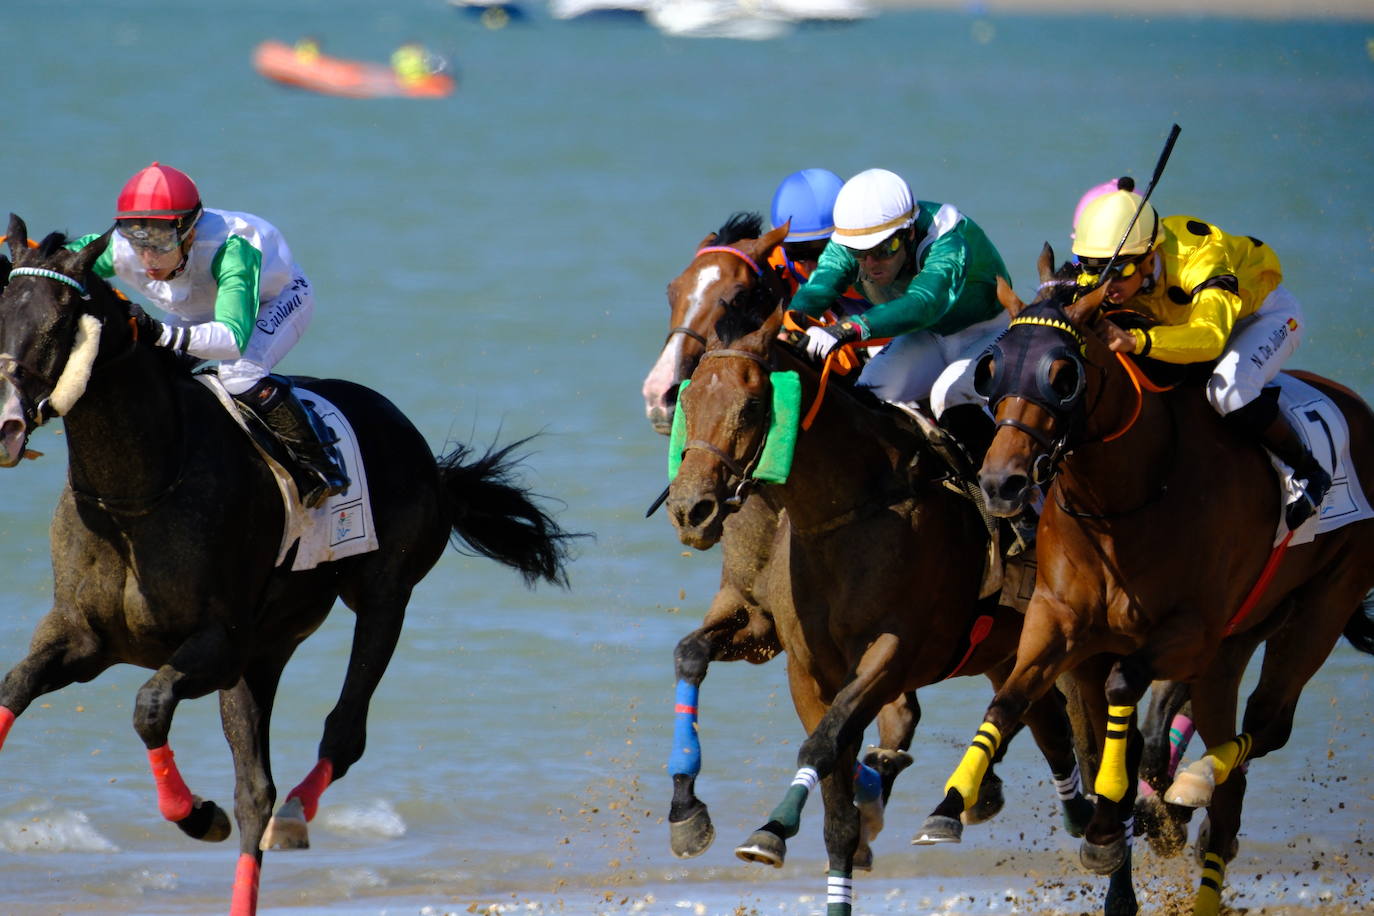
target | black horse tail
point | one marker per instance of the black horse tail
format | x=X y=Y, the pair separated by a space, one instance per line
x=492 y=516
x=1360 y=628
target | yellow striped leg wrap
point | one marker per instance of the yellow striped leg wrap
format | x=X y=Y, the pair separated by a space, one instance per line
x=1111 y=775
x=1230 y=755
x=968 y=776
x=1208 y=900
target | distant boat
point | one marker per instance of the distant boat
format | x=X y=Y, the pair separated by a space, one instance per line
x=494 y=14
x=600 y=10
x=757 y=20
x=337 y=76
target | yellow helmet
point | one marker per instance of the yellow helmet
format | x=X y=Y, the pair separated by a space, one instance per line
x=1103 y=221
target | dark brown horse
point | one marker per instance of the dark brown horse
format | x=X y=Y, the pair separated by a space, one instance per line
x=729 y=268
x=1156 y=561
x=165 y=540
x=873 y=579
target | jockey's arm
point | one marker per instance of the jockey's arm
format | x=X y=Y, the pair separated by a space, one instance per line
x=931 y=294
x=236 y=268
x=835 y=272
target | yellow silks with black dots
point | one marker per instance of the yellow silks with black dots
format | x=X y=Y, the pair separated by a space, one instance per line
x=1208 y=900
x=1111 y=775
x=968 y=776
x=1226 y=757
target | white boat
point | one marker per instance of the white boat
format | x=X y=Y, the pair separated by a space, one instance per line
x=599 y=9
x=742 y=19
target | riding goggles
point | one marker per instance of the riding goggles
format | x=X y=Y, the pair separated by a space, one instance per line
x=1093 y=269
x=882 y=251
x=158 y=235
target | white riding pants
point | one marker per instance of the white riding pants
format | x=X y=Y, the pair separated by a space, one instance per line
x=1259 y=346
x=925 y=364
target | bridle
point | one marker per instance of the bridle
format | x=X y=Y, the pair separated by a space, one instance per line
x=759 y=290
x=741 y=474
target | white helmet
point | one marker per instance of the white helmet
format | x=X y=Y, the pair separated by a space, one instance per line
x=870 y=207
x=1104 y=220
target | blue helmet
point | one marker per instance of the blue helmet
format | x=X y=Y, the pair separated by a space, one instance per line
x=807 y=198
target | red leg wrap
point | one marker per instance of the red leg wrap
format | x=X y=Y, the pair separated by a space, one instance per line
x=173 y=798
x=313 y=786
x=245 y=901
x=6 y=720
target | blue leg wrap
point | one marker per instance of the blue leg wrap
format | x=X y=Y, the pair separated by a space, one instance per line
x=685 y=759
x=868 y=785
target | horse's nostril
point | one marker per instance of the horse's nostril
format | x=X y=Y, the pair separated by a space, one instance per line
x=701 y=512
x=1012 y=486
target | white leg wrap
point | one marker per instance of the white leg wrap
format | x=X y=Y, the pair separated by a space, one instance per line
x=839 y=890
x=807 y=778
x=1068 y=786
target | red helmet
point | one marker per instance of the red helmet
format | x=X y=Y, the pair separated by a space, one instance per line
x=159 y=192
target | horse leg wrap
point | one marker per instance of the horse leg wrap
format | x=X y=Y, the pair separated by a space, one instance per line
x=868 y=785
x=685 y=759
x=969 y=774
x=1230 y=755
x=787 y=814
x=1208 y=900
x=839 y=893
x=1181 y=731
x=246 y=877
x=6 y=720
x=173 y=798
x=1111 y=775
x=313 y=786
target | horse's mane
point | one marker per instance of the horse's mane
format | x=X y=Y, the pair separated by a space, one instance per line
x=741 y=225
x=736 y=323
x=51 y=244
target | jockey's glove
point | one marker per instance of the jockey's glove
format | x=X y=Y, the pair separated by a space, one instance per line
x=821 y=339
x=148 y=328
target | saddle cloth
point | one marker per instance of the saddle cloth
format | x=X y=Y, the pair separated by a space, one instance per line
x=1323 y=426
x=342 y=526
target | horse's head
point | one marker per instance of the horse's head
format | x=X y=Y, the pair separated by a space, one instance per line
x=1037 y=383
x=729 y=269
x=728 y=411
x=52 y=308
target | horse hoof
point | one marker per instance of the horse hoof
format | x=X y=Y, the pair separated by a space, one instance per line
x=863 y=858
x=1204 y=840
x=1103 y=859
x=763 y=847
x=1193 y=785
x=939 y=829
x=1165 y=830
x=1078 y=811
x=287 y=829
x=887 y=762
x=691 y=837
x=990 y=801
x=207 y=821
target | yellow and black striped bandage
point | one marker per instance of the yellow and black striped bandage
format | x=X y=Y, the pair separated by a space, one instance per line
x=1228 y=756
x=969 y=774
x=1208 y=902
x=1111 y=775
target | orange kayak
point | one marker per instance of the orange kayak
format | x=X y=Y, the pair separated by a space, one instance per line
x=337 y=76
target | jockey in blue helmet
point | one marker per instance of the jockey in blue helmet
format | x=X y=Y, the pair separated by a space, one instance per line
x=806 y=198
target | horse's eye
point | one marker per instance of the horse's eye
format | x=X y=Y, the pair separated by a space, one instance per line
x=1064 y=380
x=983 y=373
x=753 y=410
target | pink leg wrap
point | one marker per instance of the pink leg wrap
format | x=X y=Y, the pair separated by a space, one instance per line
x=6 y=720
x=313 y=786
x=245 y=901
x=173 y=798
x=1181 y=731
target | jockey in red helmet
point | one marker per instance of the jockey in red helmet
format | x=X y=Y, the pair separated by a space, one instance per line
x=233 y=293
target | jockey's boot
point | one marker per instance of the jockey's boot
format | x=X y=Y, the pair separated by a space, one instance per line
x=303 y=433
x=971 y=425
x=1263 y=420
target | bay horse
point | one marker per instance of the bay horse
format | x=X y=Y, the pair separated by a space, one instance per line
x=730 y=269
x=165 y=539
x=873 y=579
x=1156 y=560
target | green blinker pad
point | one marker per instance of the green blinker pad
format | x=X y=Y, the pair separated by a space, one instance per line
x=677 y=439
x=775 y=463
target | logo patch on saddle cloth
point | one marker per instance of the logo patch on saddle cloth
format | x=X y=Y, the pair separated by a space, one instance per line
x=1323 y=426
x=343 y=526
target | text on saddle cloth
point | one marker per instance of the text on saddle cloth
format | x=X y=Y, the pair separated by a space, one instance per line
x=1319 y=421
x=342 y=526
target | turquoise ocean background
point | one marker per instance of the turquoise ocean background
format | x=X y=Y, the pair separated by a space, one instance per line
x=495 y=263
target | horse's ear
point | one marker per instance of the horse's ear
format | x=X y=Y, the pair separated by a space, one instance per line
x=17 y=236
x=770 y=240
x=1010 y=301
x=1046 y=263
x=707 y=242
x=1082 y=311
x=86 y=257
